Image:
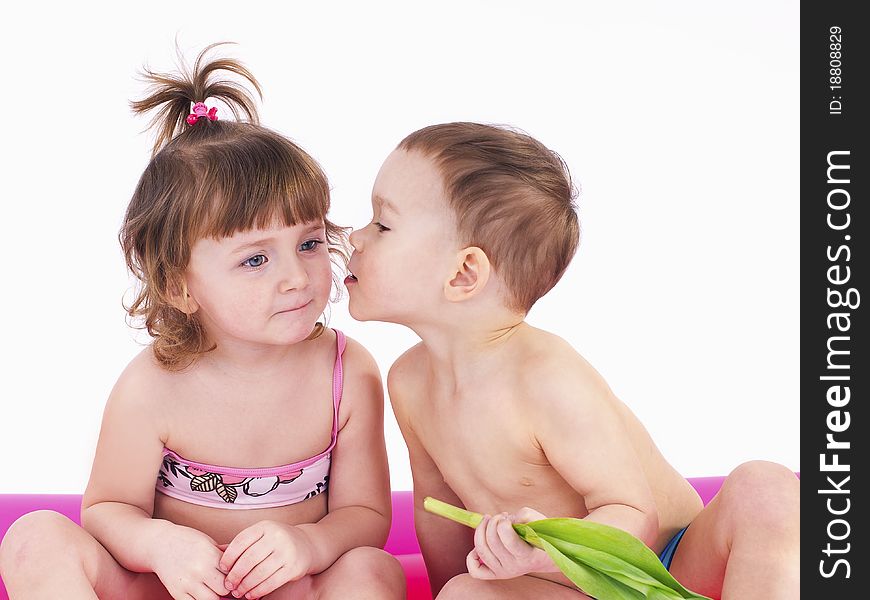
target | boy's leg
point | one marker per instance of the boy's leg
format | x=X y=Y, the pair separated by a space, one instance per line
x=746 y=542
x=45 y=555
x=464 y=587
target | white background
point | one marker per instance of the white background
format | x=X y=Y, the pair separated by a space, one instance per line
x=678 y=119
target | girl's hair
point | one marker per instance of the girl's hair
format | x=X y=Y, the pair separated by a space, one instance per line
x=512 y=197
x=209 y=179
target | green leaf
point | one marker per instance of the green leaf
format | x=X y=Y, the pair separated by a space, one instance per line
x=592 y=582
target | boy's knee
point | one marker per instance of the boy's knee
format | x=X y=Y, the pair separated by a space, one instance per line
x=763 y=494
x=761 y=480
x=465 y=586
x=29 y=537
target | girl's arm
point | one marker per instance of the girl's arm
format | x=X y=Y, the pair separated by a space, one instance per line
x=444 y=544
x=360 y=506
x=118 y=503
x=119 y=500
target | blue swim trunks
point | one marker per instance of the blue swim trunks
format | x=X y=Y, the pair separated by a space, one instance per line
x=667 y=554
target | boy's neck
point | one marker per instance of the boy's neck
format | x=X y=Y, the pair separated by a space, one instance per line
x=462 y=351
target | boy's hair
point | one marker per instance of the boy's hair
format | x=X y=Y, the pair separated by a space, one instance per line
x=209 y=179
x=512 y=197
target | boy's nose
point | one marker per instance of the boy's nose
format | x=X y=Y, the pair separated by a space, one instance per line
x=355 y=239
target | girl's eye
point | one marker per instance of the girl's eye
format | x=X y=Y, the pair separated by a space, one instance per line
x=255 y=261
x=310 y=245
x=381 y=228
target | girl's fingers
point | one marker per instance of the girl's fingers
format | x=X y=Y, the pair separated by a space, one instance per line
x=215 y=582
x=244 y=540
x=246 y=563
x=484 y=553
x=271 y=583
x=203 y=592
x=259 y=574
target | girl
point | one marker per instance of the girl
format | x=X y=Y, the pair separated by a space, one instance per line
x=241 y=453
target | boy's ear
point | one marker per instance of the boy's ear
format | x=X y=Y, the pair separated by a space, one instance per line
x=470 y=275
x=180 y=298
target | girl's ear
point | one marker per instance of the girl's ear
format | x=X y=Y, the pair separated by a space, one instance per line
x=470 y=275
x=180 y=298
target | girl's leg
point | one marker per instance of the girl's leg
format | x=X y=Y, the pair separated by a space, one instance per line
x=746 y=542
x=360 y=573
x=45 y=555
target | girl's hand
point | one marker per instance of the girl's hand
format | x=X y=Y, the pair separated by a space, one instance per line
x=499 y=553
x=265 y=556
x=187 y=564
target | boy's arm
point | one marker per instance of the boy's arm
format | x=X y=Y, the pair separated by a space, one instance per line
x=444 y=544
x=585 y=439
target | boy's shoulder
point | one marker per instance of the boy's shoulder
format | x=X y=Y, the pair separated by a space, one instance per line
x=407 y=371
x=552 y=371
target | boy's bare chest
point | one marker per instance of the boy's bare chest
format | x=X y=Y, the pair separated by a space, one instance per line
x=486 y=451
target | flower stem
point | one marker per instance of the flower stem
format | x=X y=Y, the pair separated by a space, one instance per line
x=448 y=511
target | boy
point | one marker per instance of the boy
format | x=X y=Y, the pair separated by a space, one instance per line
x=472 y=224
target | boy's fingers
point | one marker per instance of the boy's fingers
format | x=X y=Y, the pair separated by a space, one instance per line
x=475 y=568
x=511 y=540
x=526 y=514
x=494 y=542
x=480 y=544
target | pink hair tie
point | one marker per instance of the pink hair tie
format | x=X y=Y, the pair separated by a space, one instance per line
x=201 y=110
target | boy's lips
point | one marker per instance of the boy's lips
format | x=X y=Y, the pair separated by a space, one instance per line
x=351 y=278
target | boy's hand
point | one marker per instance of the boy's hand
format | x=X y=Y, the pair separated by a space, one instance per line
x=265 y=556
x=499 y=553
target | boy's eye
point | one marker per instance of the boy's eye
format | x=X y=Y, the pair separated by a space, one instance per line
x=255 y=261
x=381 y=228
x=309 y=245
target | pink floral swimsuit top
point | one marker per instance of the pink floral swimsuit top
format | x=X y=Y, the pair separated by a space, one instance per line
x=227 y=487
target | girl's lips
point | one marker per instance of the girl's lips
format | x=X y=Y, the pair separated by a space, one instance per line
x=294 y=309
x=350 y=279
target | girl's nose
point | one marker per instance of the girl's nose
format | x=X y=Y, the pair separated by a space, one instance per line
x=295 y=277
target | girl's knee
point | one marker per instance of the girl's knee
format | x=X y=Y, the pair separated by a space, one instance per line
x=35 y=536
x=376 y=567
